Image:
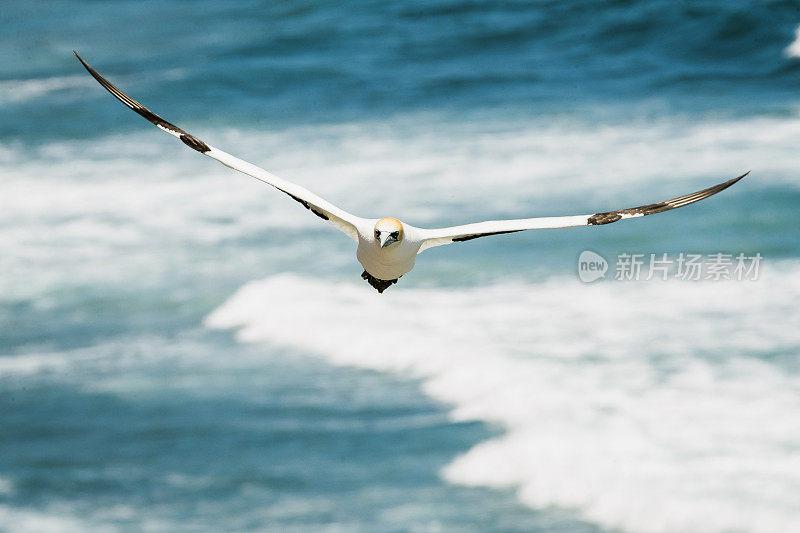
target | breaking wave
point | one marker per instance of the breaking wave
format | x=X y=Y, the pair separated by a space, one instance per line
x=649 y=407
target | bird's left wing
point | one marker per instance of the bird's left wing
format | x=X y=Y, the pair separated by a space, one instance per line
x=439 y=237
x=341 y=219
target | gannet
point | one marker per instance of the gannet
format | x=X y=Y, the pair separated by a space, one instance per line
x=388 y=248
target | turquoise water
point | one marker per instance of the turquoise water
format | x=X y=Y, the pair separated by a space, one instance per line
x=184 y=349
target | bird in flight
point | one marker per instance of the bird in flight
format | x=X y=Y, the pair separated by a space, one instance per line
x=388 y=248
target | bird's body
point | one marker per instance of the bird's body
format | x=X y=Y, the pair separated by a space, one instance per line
x=390 y=262
x=388 y=248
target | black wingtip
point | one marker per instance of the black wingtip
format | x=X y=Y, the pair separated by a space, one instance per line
x=728 y=183
x=608 y=217
x=84 y=63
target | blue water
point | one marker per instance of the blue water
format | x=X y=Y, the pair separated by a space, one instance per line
x=147 y=385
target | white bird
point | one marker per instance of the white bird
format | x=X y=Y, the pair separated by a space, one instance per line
x=387 y=247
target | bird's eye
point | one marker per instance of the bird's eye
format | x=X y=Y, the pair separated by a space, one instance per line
x=395 y=234
x=377 y=233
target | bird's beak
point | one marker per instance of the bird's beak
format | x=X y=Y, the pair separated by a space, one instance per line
x=386 y=240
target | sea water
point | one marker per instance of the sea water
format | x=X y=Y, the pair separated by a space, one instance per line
x=184 y=349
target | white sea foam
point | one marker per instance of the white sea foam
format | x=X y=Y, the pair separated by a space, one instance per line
x=32 y=364
x=22 y=90
x=20 y=520
x=13 y=91
x=89 y=199
x=616 y=398
x=157 y=184
x=646 y=406
x=793 y=50
x=64 y=518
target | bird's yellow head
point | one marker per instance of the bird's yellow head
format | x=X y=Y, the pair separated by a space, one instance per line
x=388 y=231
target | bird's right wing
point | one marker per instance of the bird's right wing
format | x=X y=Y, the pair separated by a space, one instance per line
x=467 y=232
x=341 y=219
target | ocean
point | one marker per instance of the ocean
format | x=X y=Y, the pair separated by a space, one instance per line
x=185 y=349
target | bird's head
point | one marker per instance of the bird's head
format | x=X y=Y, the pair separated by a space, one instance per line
x=388 y=231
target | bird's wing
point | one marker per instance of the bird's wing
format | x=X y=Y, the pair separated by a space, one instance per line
x=341 y=219
x=439 y=237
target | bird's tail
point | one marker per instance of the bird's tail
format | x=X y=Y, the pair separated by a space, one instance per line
x=379 y=284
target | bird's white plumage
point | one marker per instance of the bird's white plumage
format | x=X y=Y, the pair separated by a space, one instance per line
x=341 y=219
x=387 y=258
x=441 y=236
